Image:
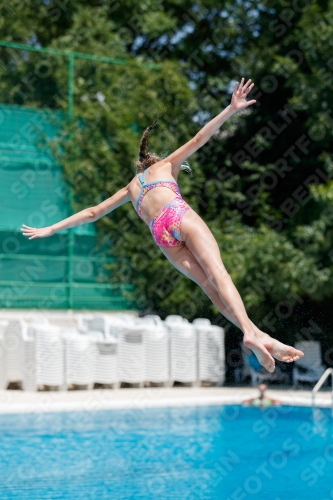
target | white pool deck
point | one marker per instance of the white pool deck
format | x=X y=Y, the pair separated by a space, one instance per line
x=107 y=399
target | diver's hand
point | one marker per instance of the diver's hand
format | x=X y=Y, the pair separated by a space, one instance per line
x=238 y=99
x=32 y=232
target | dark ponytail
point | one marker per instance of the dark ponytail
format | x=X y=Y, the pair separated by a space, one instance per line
x=146 y=159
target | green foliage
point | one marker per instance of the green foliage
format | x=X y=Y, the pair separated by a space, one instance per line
x=273 y=253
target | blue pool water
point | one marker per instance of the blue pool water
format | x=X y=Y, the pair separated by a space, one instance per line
x=225 y=453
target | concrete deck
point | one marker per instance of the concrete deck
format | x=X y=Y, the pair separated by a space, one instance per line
x=107 y=399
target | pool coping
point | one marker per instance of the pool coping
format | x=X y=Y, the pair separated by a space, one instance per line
x=12 y=402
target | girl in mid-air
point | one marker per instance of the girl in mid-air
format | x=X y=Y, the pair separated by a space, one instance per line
x=179 y=231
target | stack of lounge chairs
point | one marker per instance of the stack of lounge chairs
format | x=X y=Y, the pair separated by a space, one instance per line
x=110 y=349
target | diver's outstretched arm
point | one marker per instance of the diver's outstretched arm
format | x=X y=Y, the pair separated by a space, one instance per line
x=238 y=102
x=87 y=215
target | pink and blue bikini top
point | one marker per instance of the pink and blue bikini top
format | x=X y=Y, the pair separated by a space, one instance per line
x=151 y=185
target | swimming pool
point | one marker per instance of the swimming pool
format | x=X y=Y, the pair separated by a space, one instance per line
x=225 y=453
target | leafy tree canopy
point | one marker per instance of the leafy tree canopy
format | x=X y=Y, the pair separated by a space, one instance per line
x=262 y=183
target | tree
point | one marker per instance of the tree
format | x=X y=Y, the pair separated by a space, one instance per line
x=262 y=183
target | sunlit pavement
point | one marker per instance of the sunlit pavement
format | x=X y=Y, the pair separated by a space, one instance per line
x=141 y=398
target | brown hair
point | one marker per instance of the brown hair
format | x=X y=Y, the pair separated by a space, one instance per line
x=146 y=159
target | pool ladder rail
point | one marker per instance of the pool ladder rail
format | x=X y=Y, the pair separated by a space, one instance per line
x=320 y=382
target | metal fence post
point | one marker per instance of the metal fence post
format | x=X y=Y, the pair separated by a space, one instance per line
x=70 y=109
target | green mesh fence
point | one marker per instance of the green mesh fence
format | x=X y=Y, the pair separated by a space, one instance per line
x=66 y=270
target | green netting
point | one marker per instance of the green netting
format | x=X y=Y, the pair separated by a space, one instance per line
x=32 y=189
x=66 y=270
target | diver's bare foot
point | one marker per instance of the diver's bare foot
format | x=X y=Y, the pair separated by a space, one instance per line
x=280 y=351
x=265 y=359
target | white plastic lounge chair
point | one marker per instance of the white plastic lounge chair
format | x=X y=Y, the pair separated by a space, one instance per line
x=107 y=362
x=115 y=324
x=29 y=382
x=105 y=322
x=80 y=360
x=132 y=355
x=50 y=356
x=3 y=325
x=211 y=356
x=157 y=350
x=3 y=381
x=13 y=350
x=152 y=318
x=183 y=350
x=83 y=321
x=308 y=368
x=29 y=379
x=175 y=319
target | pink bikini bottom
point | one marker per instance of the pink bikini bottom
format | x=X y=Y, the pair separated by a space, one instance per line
x=165 y=226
